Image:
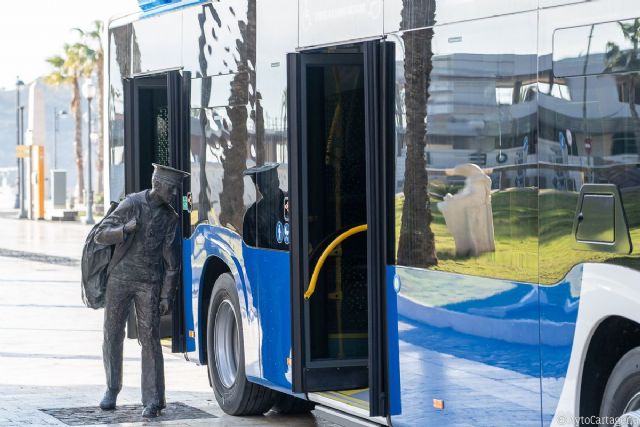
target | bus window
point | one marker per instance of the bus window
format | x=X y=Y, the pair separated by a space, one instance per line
x=265 y=225
x=119 y=67
x=337 y=202
x=219 y=191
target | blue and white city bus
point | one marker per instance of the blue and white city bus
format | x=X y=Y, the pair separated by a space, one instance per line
x=415 y=212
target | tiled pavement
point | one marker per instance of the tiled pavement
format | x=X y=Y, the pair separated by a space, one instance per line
x=50 y=344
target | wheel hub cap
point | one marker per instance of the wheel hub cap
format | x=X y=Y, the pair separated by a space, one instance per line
x=225 y=344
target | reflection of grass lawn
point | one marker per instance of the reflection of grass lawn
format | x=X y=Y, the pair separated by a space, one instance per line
x=515 y=224
x=558 y=250
x=515 y=216
x=559 y=255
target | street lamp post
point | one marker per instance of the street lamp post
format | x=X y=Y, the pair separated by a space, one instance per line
x=23 y=184
x=57 y=115
x=19 y=85
x=89 y=92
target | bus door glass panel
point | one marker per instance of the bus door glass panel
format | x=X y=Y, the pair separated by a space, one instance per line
x=155 y=129
x=340 y=125
x=327 y=159
x=337 y=202
x=466 y=216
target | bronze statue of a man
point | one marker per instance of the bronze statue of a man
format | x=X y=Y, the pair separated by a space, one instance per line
x=146 y=227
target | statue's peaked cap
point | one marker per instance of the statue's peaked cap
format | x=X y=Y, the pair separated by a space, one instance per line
x=256 y=170
x=167 y=173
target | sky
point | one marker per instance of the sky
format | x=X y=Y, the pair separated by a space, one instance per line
x=31 y=31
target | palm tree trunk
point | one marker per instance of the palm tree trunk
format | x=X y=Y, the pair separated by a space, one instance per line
x=77 y=115
x=235 y=161
x=417 y=243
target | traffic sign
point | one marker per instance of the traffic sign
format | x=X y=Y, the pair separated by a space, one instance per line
x=587 y=145
x=23 y=151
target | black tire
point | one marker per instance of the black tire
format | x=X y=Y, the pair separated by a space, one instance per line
x=622 y=385
x=240 y=397
x=287 y=404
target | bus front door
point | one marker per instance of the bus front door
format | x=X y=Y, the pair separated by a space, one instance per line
x=340 y=118
x=156 y=130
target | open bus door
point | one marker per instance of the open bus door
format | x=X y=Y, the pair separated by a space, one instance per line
x=156 y=117
x=341 y=121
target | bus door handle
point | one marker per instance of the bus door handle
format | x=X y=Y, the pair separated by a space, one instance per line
x=325 y=254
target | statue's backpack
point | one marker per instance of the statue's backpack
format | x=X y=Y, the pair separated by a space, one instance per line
x=95 y=260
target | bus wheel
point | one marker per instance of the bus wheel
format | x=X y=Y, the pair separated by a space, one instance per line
x=287 y=404
x=225 y=355
x=622 y=394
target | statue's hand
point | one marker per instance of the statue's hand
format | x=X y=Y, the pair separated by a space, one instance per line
x=130 y=226
x=165 y=307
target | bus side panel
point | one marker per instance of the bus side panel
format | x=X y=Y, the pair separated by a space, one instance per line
x=317 y=17
x=466 y=220
x=471 y=342
x=268 y=271
x=393 y=340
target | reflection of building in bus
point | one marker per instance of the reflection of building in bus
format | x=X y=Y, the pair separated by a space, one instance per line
x=483 y=109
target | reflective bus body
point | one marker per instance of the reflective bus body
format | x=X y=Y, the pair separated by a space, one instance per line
x=492 y=150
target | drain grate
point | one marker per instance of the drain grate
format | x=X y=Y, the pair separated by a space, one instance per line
x=123 y=414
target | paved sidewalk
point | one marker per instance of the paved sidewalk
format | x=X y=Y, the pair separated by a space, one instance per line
x=50 y=344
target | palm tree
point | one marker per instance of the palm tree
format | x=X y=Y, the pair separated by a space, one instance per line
x=619 y=60
x=416 y=246
x=68 y=70
x=93 y=40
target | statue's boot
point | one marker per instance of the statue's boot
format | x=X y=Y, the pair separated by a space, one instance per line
x=108 y=402
x=151 y=411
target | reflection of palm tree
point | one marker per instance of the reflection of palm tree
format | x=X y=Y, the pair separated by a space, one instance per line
x=417 y=244
x=258 y=118
x=122 y=40
x=93 y=41
x=618 y=60
x=68 y=70
x=234 y=151
x=204 y=200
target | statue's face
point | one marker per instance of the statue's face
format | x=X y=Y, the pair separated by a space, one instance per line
x=165 y=191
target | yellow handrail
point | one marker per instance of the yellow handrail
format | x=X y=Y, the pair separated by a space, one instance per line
x=316 y=271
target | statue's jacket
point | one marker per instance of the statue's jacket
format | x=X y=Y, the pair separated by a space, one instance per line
x=151 y=254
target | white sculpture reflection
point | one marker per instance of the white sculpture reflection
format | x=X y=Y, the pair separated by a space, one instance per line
x=468 y=213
